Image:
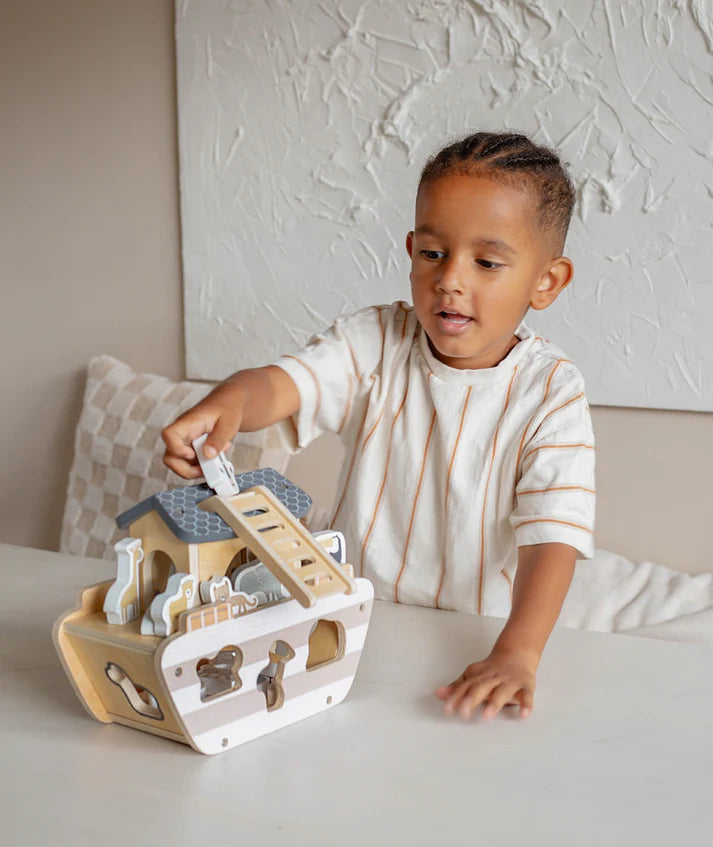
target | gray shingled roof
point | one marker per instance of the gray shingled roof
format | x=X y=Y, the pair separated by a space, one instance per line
x=179 y=506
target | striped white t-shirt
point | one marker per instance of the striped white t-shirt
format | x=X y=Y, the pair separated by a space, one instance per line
x=447 y=471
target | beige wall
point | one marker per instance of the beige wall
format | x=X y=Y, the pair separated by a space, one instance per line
x=90 y=263
x=89 y=234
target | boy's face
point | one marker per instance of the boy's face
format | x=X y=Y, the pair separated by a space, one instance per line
x=478 y=262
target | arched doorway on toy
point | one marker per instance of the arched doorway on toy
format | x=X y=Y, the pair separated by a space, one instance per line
x=160 y=567
x=240 y=559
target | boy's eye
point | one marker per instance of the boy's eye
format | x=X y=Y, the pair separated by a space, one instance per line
x=488 y=265
x=432 y=255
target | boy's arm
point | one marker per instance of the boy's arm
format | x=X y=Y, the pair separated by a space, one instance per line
x=247 y=401
x=543 y=576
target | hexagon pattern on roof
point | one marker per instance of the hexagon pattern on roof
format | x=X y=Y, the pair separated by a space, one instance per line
x=179 y=506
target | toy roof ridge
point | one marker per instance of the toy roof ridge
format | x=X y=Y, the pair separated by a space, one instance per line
x=179 y=507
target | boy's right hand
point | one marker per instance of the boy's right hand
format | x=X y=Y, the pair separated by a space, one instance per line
x=220 y=420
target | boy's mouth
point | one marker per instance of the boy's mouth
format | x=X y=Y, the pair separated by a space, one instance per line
x=452 y=322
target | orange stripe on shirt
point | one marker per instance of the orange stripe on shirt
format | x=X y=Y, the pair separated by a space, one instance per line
x=557 y=447
x=383 y=482
x=527 y=427
x=413 y=508
x=556 y=488
x=509 y=581
x=403 y=328
x=554 y=520
x=448 y=488
x=373 y=429
x=354 y=361
x=562 y=405
x=351 y=464
x=348 y=405
x=316 y=383
x=485 y=495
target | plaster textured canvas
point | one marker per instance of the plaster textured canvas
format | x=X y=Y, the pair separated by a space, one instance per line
x=303 y=127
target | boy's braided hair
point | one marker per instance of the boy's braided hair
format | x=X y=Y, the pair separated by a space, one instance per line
x=517 y=161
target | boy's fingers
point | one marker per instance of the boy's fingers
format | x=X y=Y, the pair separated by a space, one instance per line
x=178 y=437
x=527 y=702
x=182 y=467
x=456 y=693
x=220 y=437
x=502 y=695
x=444 y=692
x=477 y=694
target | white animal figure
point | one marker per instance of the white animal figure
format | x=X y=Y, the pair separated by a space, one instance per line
x=162 y=615
x=123 y=600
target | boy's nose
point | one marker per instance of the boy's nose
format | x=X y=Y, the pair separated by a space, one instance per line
x=450 y=279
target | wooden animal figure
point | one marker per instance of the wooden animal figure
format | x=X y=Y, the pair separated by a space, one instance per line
x=162 y=615
x=235 y=606
x=123 y=600
x=215 y=590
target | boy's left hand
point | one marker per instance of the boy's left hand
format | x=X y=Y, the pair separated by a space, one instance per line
x=498 y=680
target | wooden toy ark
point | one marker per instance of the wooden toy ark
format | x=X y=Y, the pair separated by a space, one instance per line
x=227 y=619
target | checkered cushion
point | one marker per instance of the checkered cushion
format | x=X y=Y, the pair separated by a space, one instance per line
x=118 y=451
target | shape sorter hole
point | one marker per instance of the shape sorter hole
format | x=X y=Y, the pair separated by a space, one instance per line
x=269 y=680
x=327 y=641
x=219 y=676
x=140 y=698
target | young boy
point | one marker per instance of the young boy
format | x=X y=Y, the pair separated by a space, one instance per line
x=468 y=481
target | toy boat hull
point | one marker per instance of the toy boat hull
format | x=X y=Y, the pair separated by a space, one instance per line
x=303 y=687
x=223 y=683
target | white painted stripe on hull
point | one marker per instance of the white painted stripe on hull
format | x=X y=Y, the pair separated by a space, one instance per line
x=208 y=640
x=260 y=723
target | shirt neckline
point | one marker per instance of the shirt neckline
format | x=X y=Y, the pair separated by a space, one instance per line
x=478 y=376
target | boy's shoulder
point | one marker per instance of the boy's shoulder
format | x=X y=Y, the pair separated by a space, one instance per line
x=546 y=360
x=395 y=321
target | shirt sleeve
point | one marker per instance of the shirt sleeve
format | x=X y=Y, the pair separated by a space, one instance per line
x=555 y=491
x=332 y=374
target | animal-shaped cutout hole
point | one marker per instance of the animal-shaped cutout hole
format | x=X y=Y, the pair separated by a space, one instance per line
x=327 y=641
x=219 y=676
x=140 y=699
x=269 y=680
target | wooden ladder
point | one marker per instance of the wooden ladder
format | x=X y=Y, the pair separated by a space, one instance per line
x=282 y=543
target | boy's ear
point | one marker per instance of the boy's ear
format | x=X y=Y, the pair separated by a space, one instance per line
x=409 y=244
x=555 y=279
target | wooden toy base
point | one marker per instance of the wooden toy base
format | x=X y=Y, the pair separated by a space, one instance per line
x=224 y=683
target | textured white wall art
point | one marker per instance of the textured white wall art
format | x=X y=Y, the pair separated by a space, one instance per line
x=303 y=127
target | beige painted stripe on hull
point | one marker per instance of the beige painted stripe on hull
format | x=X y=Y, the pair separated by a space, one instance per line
x=233 y=707
x=253 y=650
x=187 y=700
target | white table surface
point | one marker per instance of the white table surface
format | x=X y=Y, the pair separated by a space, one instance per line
x=619 y=749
